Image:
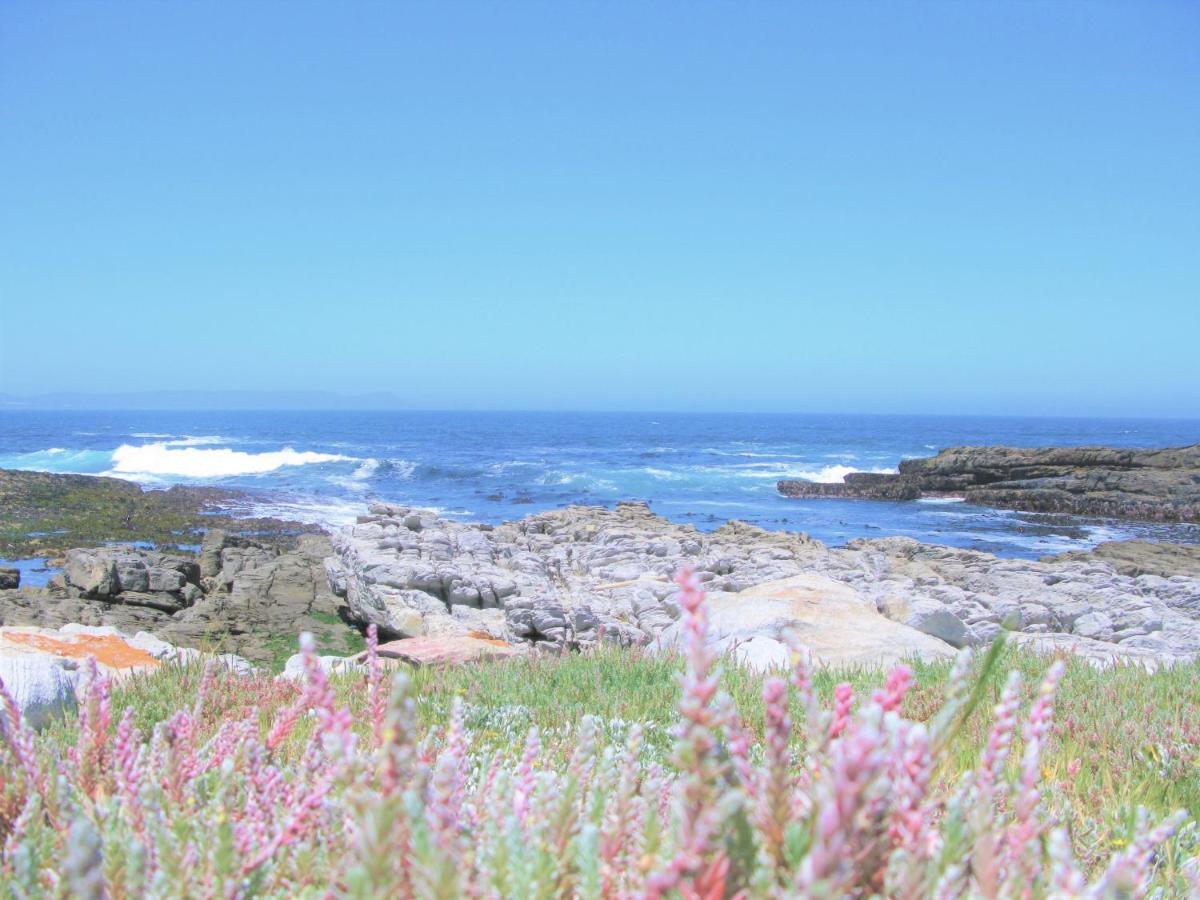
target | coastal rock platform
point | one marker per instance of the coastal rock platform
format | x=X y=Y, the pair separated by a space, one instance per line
x=1152 y=485
x=570 y=578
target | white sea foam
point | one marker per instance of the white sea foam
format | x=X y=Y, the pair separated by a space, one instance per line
x=191 y=462
x=147 y=434
x=402 y=468
x=365 y=469
x=57 y=450
x=823 y=475
x=327 y=512
x=580 y=480
x=495 y=468
x=662 y=474
x=202 y=440
x=938 y=501
x=356 y=480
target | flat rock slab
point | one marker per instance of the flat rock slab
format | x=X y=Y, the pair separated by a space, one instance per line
x=1134 y=558
x=443 y=650
x=838 y=625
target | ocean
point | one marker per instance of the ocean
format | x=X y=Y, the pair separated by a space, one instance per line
x=492 y=466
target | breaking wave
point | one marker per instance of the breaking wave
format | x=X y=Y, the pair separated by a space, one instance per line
x=192 y=462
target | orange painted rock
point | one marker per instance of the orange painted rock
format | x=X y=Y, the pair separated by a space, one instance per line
x=444 y=650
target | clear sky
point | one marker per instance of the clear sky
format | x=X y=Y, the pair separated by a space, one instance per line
x=920 y=207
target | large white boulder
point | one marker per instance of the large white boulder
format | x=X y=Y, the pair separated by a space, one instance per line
x=839 y=626
x=293 y=670
x=43 y=686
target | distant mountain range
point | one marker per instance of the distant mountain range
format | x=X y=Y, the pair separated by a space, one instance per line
x=195 y=400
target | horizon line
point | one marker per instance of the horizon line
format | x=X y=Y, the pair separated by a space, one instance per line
x=564 y=411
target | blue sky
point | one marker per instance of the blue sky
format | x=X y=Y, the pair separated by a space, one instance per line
x=959 y=207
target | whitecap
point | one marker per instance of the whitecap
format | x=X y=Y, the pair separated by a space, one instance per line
x=356 y=480
x=190 y=462
x=202 y=440
x=402 y=468
x=365 y=469
x=937 y=501
x=326 y=512
x=662 y=474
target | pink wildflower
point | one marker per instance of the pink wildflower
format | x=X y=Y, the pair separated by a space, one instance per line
x=698 y=866
x=526 y=775
x=899 y=681
x=843 y=700
x=376 y=696
x=775 y=793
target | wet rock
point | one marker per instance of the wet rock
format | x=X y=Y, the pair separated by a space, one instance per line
x=1137 y=558
x=1157 y=485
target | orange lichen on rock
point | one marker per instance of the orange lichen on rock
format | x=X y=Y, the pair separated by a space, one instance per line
x=111 y=652
x=484 y=636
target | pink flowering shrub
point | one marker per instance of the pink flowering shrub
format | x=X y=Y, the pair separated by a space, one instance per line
x=312 y=803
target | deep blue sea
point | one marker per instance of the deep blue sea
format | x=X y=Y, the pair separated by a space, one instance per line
x=488 y=467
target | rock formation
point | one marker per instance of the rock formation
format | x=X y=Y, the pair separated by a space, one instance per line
x=838 y=625
x=240 y=596
x=1154 y=485
x=1083 y=605
x=566 y=578
x=1134 y=558
x=572 y=577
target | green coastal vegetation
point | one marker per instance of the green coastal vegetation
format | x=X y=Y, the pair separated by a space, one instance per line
x=1123 y=750
x=45 y=514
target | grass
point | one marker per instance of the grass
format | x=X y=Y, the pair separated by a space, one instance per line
x=1122 y=738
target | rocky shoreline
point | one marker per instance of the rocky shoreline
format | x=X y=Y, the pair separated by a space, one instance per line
x=172 y=563
x=1149 y=485
x=571 y=578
